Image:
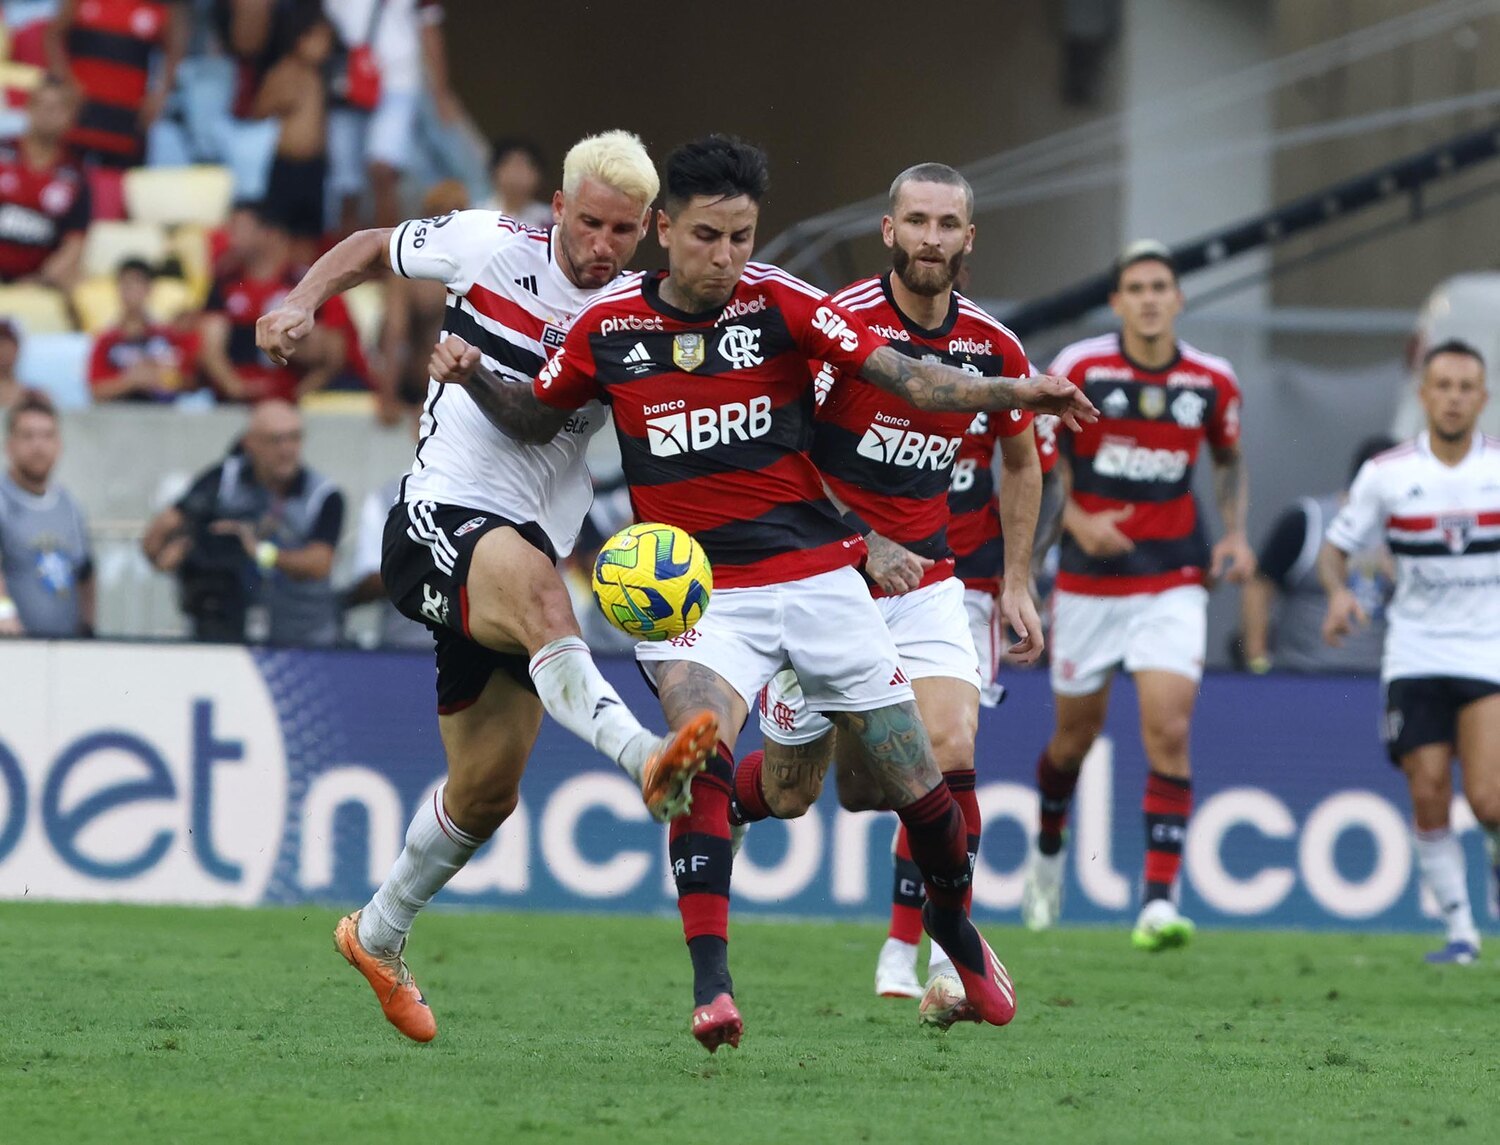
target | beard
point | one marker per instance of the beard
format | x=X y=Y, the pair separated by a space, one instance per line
x=919 y=278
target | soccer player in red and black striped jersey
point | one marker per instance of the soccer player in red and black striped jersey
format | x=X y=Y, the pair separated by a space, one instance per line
x=705 y=367
x=44 y=196
x=889 y=464
x=1132 y=587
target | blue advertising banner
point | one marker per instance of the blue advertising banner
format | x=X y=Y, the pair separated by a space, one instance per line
x=222 y=775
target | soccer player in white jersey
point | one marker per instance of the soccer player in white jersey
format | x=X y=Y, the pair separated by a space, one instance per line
x=471 y=544
x=1436 y=500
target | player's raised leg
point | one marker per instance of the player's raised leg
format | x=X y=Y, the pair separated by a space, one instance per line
x=1440 y=855
x=1479 y=754
x=487 y=743
x=515 y=599
x=1166 y=705
x=699 y=843
x=1080 y=719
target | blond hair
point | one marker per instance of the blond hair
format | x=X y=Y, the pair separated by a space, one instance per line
x=617 y=159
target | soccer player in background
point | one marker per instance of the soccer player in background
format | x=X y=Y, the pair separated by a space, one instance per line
x=705 y=367
x=888 y=464
x=472 y=543
x=1436 y=502
x=1132 y=585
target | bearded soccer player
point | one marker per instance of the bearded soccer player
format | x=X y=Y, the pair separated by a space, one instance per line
x=705 y=368
x=1436 y=503
x=1132 y=586
x=889 y=464
x=472 y=542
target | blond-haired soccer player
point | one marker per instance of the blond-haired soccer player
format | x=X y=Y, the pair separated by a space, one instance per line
x=472 y=542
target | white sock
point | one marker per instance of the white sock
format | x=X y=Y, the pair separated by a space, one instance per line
x=1440 y=858
x=578 y=697
x=938 y=962
x=435 y=851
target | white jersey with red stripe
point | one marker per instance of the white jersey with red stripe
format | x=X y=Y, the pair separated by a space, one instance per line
x=508 y=296
x=1442 y=524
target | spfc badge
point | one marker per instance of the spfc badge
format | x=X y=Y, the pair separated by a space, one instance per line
x=1456 y=531
x=1153 y=401
x=688 y=351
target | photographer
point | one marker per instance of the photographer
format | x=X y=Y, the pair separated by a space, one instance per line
x=253 y=538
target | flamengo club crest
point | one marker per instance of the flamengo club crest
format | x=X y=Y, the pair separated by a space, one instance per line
x=688 y=351
x=1153 y=401
x=1456 y=532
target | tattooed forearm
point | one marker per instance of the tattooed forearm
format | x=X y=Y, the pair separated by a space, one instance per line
x=897 y=750
x=1231 y=489
x=932 y=385
x=512 y=408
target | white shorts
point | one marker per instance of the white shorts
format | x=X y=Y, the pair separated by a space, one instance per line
x=1148 y=631
x=358 y=138
x=824 y=627
x=986 y=629
x=930 y=628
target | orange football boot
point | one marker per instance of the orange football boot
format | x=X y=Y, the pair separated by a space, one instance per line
x=667 y=778
x=400 y=1000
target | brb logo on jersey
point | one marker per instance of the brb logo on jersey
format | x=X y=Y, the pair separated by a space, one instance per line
x=893 y=444
x=1122 y=457
x=678 y=430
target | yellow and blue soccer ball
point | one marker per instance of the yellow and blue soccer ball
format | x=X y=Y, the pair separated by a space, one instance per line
x=652 y=581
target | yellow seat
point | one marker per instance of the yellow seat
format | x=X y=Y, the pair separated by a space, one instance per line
x=111 y=241
x=36 y=309
x=360 y=402
x=190 y=244
x=201 y=194
x=97 y=304
x=366 y=303
x=170 y=298
x=19 y=77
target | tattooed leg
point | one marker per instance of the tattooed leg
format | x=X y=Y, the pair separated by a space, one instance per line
x=897 y=751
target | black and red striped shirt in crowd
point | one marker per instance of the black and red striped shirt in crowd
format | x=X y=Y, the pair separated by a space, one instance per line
x=714 y=414
x=882 y=456
x=974 y=531
x=39 y=207
x=110 y=45
x=1140 y=455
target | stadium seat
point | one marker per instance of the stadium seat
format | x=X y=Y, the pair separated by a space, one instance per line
x=189 y=243
x=358 y=402
x=58 y=364
x=366 y=303
x=200 y=194
x=111 y=242
x=36 y=309
x=97 y=302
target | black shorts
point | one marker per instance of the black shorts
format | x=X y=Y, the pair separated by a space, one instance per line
x=424 y=563
x=294 y=195
x=1421 y=710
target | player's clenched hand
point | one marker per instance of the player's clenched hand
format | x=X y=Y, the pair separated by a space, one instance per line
x=1344 y=612
x=453 y=360
x=1099 y=535
x=894 y=568
x=1232 y=559
x=278 y=331
x=1047 y=394
x=1019 y=613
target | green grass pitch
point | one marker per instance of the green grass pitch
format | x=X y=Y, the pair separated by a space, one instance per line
x=160 y=1025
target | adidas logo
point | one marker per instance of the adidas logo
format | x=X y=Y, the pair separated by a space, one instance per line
x=639 y=359
x=526 y=282
x=899 y=678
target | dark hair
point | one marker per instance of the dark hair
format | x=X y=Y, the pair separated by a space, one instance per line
x=30 y=401
x=1144 y=250
x=1452 y=346
x=717 y=166
x=137 y=266
x=301 y=19
x=509 y=143
x=1368 y=448
x=934 y=173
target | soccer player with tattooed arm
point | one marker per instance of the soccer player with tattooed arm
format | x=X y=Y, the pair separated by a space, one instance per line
x=705 y=368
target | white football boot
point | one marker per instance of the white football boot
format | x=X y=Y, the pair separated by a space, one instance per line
x=1160 y=927
x=1041 y=895
x=896 y=970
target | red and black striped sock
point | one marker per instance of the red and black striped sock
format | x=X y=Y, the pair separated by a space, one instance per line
x=701 y=865
x=748 y=803
x=938 y=837
x=1054 y=788
x=962 y=784
x=906 y=893
x=1167 y=804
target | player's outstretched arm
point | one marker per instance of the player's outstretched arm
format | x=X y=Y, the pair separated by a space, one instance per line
x=511 y=407
x=358 y=258
x=935 y=386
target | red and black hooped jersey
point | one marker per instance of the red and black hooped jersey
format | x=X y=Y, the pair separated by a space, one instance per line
x=714 y=415
x=243 y=301
x=109 y=49
x=1140 y=454
x=882 y=456
x=974 y=527
x=39 y=207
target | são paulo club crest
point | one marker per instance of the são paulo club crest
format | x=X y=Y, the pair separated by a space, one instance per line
x=1457 y=528
x=688 y=351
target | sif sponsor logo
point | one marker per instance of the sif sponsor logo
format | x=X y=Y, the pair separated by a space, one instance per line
x=688 y=431
x=837 y=329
